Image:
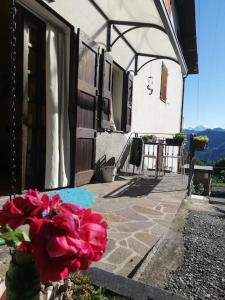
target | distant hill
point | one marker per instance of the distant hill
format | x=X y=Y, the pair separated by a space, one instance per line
x=216 y=146
x=197 y=128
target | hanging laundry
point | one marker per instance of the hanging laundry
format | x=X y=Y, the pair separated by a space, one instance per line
x=136 y=152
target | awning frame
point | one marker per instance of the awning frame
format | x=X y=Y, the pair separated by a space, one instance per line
x=136 y=25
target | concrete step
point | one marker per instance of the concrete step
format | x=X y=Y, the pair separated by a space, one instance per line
x=217 y=200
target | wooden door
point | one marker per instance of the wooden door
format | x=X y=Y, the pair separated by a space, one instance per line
x=86 y=109
x=34 y=103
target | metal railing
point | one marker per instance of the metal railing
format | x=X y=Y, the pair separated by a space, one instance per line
x=158 y=158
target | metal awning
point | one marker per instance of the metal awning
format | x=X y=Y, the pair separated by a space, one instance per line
x=145 y=27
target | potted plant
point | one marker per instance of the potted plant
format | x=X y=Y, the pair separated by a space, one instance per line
x=200 y=142
x=177 y=139
x=149 y=138
x=61 y=240
x=109 y=170
x=109 y=173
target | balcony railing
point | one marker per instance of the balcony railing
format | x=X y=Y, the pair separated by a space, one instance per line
x=158 y=158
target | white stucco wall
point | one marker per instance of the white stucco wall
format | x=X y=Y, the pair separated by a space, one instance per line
x=150 y=114
x=110 y=144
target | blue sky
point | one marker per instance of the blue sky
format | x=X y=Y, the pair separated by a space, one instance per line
x=205 y=93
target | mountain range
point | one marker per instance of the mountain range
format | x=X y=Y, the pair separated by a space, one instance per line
x=216 y=145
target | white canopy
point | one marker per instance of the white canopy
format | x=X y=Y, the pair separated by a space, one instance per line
x=146 y=27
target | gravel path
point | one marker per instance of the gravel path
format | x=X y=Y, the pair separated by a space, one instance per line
x=202 y=273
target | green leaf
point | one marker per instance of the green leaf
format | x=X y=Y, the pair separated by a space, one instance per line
x=98 y=295
x=13 y=237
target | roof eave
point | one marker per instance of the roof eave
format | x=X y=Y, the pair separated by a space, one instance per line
x=188 y=36
x=172 y=35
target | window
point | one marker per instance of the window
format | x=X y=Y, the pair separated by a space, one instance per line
x=163 y=87
x=117 y=96
x=127 y=102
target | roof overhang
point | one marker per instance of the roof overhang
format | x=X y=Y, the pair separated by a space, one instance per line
x=144 y=26
x=187 y=36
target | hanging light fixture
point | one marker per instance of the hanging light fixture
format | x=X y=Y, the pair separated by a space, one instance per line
x=150 y=83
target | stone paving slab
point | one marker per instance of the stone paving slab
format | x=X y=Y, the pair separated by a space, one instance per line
x=136 y=222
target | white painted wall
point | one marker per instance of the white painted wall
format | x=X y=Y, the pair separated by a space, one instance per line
x=150 y=114
x=110 y=144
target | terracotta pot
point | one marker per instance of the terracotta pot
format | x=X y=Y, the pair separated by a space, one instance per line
x=199 y=145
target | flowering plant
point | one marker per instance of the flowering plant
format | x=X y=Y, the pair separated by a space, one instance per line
x=63 y=237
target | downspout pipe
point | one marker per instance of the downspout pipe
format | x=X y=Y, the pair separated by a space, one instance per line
x=182 y=104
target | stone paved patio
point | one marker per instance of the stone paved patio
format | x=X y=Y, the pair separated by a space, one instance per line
x=139 y=212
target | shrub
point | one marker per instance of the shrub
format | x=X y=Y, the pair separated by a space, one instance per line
x=201 y=138
x=148 y=137
x=180 y=135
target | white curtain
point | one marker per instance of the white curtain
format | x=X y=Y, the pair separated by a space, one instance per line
x=111 y=119
x=57 y=172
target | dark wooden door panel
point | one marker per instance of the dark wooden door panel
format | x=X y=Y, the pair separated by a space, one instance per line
x=86 y=109
x=105 y=89
x=33 y=102
x=84 y=159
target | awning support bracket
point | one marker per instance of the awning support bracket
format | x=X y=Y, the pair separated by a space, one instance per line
x=154 y=57
x=135 y=25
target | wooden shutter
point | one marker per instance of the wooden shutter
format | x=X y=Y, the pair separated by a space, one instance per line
x=105 y=89
x=127 y=102
x=86 y=108
x=164 y=78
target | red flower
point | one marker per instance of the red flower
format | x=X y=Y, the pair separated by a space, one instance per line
x=64 y=237
x=66 y=243
x=15 y=212
x=94 y=231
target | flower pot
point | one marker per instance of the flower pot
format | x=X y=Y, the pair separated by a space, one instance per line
x=150 y=141
x=199 y=145
x=109 y=173
x=174 y=142
x=22 y=279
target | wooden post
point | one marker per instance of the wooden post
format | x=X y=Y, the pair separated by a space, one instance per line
x=191 y=163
